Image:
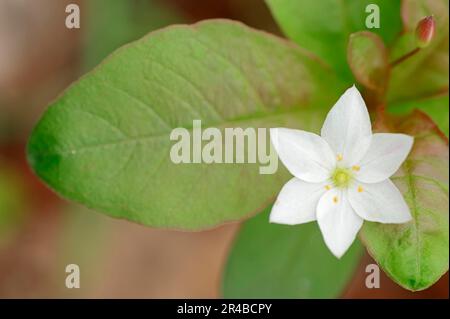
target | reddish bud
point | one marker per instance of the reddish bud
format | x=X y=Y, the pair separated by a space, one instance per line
x=425 y=31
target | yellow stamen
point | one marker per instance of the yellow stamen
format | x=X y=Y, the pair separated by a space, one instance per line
x=339 y=157
x=335 y=199
x=327 y=187
x=356 y=168
x=360 y=189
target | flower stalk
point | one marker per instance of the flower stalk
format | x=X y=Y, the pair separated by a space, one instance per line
x=425 y=31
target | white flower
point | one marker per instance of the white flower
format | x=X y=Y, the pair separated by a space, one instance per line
x=341 y=177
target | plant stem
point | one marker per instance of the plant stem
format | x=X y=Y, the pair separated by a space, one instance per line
x=404 y=57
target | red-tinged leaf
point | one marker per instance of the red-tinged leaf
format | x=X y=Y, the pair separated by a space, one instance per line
x=415 y=254
x=368 y=60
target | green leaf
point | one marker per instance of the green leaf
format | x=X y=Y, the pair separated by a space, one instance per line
x=436 y=107
x=415 y=254
x=426 y=73
x=324 y=26
x=280 y=261
x=368 y=60
x=105 y=142
x=123 y=21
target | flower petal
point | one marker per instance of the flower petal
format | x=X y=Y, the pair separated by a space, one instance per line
x=297 y=202
x=338 y=221
x=306 y=155
x=384 y=157
x=347 y=128
x=379 y=202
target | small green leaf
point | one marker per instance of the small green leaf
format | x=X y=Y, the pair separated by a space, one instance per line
x=105 y=142
x=280 y=261
x=368 y=60
x=415 y=254
x=324 y=26
x=426 y=73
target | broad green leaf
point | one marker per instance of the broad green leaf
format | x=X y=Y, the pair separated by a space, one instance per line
x=105 y=142
x=110 y=24
x=436 y=107
x=280 y=261
x=426 y=73
x=324 y=26
x=415 y=254
x=368 y=60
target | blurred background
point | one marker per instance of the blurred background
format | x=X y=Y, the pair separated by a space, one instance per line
x=39 y=233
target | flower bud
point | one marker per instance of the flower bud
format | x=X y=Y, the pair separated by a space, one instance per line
x=425 y=31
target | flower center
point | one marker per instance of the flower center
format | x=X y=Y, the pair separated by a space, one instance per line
x=342 y=177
